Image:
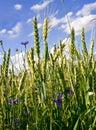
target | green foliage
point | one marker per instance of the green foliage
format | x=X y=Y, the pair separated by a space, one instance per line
x=72 y=45
x=36 y=38
x=84 y=48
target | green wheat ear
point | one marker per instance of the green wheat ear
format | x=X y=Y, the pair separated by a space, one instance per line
x=91 y=48
x=31 y=62
x=46 y=54
x=7 y=64
x=3 y=64
x=31 y=59
x=36 y=38
x=44 y=35
x=91 y=57
x=21 y=84
x=72 y=45
x=84 y=48
x=28 y=61
x=62 y=45
x=51 y=61
x=45 y=29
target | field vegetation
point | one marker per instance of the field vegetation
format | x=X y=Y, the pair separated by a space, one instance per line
x=54 y=92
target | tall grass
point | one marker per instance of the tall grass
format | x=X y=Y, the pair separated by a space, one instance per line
x=55 y=93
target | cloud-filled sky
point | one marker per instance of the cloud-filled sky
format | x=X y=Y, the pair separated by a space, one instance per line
x=16 y=20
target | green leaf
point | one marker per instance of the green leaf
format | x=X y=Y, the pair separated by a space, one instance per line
x=43 y=117
x=76 y=125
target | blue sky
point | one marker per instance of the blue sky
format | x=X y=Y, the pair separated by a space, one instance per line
x=16 y=20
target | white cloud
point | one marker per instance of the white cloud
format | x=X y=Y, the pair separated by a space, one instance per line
x=16 y=28
x=10 y=32
x=54 y=21
x=86 y=10
x=18 y=61
x=83 y=18
x=29 y=20
x=14 y=31
x=38 y=7
x=39 y=25
x=79 y=22
x=30 y=35
x=3 y=31
x=18 y=6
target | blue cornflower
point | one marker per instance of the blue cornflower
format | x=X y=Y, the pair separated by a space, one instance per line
x=59 y=95
x=11 y=101
x=24 y=43
x=58 y=100
x=15 y=121
x=15 y=100
x=69 y=91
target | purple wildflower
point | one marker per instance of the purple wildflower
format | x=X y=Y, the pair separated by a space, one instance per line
x=11 y=101
x=54 y=100
x=59 y=95
x=58 y=100
x=69 y=91
x=24 y=43
x=15 y=100
x=15 y=121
